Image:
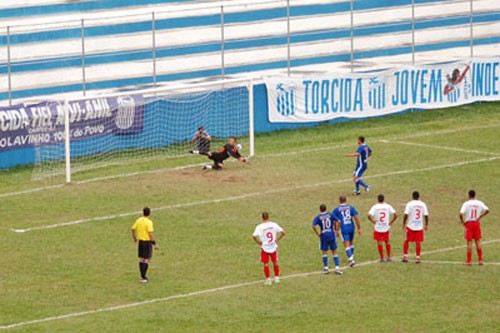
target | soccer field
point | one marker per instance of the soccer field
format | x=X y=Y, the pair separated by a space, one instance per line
x=74 y=268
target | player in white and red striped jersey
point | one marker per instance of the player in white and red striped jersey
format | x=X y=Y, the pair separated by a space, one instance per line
x=382 y=215
x=416 y=213
x=471 y=213
x=267 y=235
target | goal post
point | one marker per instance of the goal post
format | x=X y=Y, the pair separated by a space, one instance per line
x=134 y=128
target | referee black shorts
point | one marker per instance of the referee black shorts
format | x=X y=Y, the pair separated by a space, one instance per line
x=145 y=249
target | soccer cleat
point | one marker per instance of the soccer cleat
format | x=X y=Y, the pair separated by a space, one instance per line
x=338 y=271
x=145 y=280
x=405 y=260
x=352 y=263
x=467 y=263
x=206 y=167
x=481 y=263
x=381 y=260
x=326 y=271
x=268 y=282
x=367 y=189
x=277 y=280
x=417 y=261
x=389 y=259
x=356 y=192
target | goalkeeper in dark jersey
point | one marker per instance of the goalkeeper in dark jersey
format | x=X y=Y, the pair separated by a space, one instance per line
x=229 y=149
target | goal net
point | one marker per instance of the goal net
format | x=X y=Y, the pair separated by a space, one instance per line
x=136 y=131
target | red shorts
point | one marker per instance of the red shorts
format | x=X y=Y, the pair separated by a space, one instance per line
x=414 y=235
x=264 y=257
x=381 y=236
x=473 y=231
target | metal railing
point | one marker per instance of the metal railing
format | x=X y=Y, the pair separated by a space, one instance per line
x=288 y=14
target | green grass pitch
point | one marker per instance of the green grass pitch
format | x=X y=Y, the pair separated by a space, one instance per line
x=207 y=277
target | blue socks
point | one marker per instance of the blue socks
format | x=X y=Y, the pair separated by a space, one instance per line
x=336 y=260
x=352 y=249
x=362 y=183
x=349 y=252
x=325 y=260
x=357 y=184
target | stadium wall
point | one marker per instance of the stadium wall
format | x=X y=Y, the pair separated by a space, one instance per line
x=25 y=156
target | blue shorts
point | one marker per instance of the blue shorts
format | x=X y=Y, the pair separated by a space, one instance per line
x=348 y=236
x=327 y=244
x=360 y=170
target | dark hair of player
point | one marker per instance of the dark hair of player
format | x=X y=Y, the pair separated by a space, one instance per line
x=265 y=215
x=472 y=194
x=146 y=211
x=342 y=199
x=415 y=195
x=322 y=208
x=380 y=198
x=201 y=128
x=361 y=139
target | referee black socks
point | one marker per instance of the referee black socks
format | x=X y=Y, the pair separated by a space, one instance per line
x=143 y=267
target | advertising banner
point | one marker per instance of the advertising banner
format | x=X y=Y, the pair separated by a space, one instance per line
x=24 y=126
x=326 y=97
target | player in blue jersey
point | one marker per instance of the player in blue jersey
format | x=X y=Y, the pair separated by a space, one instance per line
x=347 y=216
x=362 y=155
x=326 y=233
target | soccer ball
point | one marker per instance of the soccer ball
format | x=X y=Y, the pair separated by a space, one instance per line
x=239 y=147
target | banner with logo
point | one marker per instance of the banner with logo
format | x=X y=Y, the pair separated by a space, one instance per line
x=326 y=97
x=24 y=126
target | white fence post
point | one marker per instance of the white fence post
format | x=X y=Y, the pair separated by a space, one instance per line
x=67 y=141
x=222 y=39
x=9 y=67
x=352 y=36
x=413 y=32
x=84 y=76
x=471 y=29
x=288 y=38
x=153 y=36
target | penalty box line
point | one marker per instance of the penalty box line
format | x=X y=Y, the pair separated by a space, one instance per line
x=255 y=194
x=296 y=152
x=207 y=291
x=424 y=145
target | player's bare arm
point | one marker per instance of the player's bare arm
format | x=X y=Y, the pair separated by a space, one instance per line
x=372 y=220
x=352 y=155
x=257 y=240
x=462 y=219
x=394 y=218
x=315 y=228
x=405 y=219
x=280 y=236
x=486 y=212
x=337 y=228
x=358 y=225
x=426 y=218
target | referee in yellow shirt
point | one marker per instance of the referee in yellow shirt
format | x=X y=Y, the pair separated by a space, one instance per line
x=142 y=233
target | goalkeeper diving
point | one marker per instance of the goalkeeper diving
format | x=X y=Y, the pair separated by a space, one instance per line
x=229 y=149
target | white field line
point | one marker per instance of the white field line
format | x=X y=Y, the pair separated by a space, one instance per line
x=255 y=194
x=296 y=152
x=203 y=292
x=473 y=151
x=444 y=262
